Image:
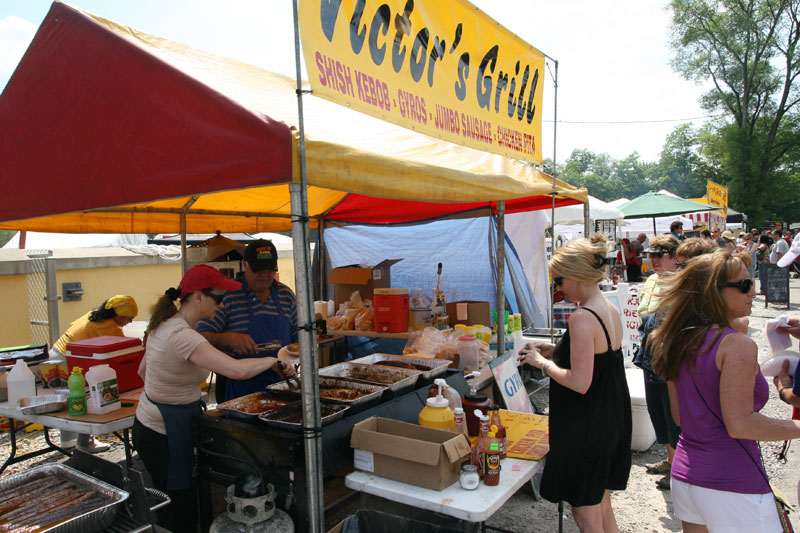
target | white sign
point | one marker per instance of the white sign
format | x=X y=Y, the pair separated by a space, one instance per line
x=510 y=383
x=628 y=295
x=363 y=460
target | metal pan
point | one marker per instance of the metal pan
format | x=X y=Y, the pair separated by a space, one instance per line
x=40 y=405
x=371 y=393
x=250 y=406
x=289 y=418
x=93 y=519
x=398 y=380
x=435 y=367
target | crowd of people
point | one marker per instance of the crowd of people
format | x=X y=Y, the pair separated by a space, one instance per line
x=703 y=385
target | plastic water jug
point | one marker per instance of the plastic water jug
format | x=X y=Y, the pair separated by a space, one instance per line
x=21 y=383
x=103 y=390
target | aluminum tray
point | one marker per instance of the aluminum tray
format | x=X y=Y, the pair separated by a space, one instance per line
x=39 y=405
x=234 y=408
x=436 y=367
x=330 y=412
x=93 y=520
x=397 y=380
x=372 y=393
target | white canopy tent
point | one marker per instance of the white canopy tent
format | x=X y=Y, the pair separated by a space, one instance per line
x=35 y=240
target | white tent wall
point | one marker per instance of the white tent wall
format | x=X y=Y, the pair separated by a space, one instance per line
x=35 y=240
x=527 y=232
x=598 y=210
x=632 y=227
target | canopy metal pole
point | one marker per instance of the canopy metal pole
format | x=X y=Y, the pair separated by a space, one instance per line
x=553 y=208
x=501 y=277
x=184 y=260
x=312 y=430
x=654 y=226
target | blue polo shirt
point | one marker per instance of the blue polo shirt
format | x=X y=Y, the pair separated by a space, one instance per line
x=234 y=315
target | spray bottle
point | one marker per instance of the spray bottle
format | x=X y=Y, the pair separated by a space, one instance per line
x=437 y=413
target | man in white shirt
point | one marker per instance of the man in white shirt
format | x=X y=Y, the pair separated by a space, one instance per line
x=780 y=247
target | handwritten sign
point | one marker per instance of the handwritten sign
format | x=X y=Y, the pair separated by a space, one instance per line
x=717 y=195
x=508 y=380
x=445 y=69
x=527 y=435
x=628 y=295
x=777 y=286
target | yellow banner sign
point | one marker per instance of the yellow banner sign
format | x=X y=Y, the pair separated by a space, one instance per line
x=445 y=69
x=717 y=195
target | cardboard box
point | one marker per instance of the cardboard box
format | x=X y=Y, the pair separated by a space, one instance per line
x=346 y=280
x=469 y=312
x=425 y=457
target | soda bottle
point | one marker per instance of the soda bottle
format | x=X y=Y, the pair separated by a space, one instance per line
x=497 y=421
x=76 y=401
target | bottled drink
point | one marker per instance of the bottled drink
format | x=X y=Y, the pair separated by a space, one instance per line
x=76 y=401
x=497 y=422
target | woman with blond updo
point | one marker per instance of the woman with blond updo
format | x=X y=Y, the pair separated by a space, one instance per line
x=590 y=406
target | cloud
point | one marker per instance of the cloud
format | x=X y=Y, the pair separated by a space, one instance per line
x=15 y=36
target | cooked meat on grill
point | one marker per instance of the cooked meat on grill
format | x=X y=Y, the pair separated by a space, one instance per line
x=340 y=394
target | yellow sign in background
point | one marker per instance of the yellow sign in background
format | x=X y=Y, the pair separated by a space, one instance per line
x=717 y=195
x=445 y=69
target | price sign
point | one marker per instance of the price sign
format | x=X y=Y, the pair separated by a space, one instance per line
x=628 y=295
x=505 y=372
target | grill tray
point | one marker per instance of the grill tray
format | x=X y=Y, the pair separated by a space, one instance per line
x=89 y=521
x=433 y=367
x=398 y=380
x=280 y=418
x=372 y=393
x=250 y=406
x=39 y=405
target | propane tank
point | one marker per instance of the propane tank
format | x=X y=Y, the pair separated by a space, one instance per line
x=251 y=508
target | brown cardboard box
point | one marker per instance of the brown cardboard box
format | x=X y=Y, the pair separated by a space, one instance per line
x=469 y=312
x=346 y=280
x=425 y=457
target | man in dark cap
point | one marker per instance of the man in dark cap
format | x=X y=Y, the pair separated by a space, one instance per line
x=263 y=310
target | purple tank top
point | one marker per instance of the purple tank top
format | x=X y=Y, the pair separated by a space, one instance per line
x=706 y=455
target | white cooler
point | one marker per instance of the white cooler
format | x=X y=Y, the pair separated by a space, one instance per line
x=643 y=433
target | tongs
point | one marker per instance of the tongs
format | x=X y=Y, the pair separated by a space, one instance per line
x=291 y=381
x=269 y=346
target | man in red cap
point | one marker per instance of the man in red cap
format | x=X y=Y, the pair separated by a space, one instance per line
x=262 y=310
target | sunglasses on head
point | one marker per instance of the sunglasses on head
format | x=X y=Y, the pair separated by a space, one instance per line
x=217 y=297
x=744 y=285
x=657 y=255
x=559 y=281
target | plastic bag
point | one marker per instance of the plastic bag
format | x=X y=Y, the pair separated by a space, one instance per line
x=364 y=321
x=432 y=343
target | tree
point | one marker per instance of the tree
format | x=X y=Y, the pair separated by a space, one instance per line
x=680 y=168
x=747 y=49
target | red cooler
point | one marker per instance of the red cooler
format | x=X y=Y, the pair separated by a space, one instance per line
x=123 y=354
x=391 y=310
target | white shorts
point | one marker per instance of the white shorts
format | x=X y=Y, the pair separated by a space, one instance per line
x=721 y=510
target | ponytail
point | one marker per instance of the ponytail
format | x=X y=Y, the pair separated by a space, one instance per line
x=164 y=309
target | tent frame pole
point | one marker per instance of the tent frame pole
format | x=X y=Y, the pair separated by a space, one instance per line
x=307 y=334
x=501 y=277
x=553 y=207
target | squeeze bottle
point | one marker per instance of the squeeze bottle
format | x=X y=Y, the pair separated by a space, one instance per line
x=437 y=413
x=21 y=383
x=472 y=401
x=76 y=401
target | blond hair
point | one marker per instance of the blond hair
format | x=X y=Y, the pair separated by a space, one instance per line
x=696 y=246
x=668 y=242
x=582 y=259
x=693 y=305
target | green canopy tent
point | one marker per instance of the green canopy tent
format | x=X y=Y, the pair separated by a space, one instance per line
x=660 y=204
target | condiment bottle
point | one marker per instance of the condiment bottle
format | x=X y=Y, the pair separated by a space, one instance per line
x=76 y=401
x=491 y=458
x=497 y=422
x=472 y=401
x=460 y=428
x=468 y=352
x=453 y=398
x=21 y=383
x=479 y=444
x=437 y=413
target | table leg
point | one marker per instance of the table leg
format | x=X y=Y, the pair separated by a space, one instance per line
x=13 y=458
x=53 y=446
x=13 y=435
x=126 y=442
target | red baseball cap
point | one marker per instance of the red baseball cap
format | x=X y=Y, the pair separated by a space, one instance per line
x=205 y=277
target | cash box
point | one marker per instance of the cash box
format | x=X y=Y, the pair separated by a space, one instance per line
x=123 y=354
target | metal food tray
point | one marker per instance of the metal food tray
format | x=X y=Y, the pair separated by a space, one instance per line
x=330 y=412
x=233 y=408
x=371 y=392
x=39 y=405
x=397 y=380
x=437 y=367
x=93 y=520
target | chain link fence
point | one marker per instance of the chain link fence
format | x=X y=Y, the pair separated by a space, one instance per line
x=37 y=293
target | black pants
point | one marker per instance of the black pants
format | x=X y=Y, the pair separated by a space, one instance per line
x=153 y=450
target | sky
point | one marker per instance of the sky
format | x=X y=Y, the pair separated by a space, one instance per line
x=617 y=93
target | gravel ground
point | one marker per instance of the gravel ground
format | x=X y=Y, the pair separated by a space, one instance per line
x=640 y=508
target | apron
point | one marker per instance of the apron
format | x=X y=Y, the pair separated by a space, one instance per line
x=178 y=421
x=262 y=329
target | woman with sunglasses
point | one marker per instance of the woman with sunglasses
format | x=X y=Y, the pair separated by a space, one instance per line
x=663 y=257
x=716 y=390
x=590 y=409
x=176 y=363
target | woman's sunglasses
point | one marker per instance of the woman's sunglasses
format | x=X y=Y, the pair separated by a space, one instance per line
x=217 y=297
x=744 y=285
x=559 y=281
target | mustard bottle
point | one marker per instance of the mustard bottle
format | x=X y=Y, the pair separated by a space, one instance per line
x=437 y=413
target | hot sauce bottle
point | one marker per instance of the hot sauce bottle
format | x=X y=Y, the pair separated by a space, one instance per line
x=491 y=458
x=480 y=444
x=501 y=431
